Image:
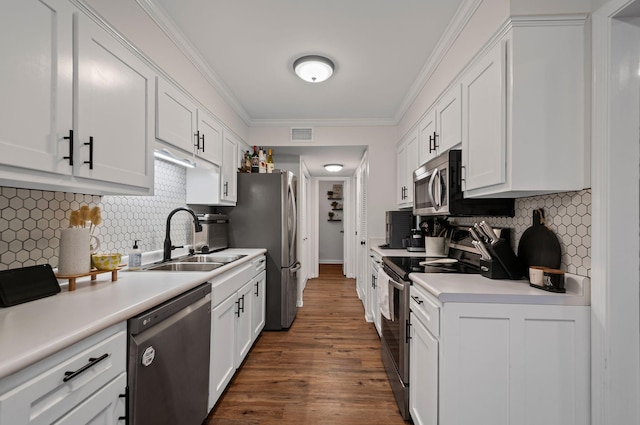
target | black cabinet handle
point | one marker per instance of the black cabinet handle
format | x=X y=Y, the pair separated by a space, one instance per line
x=90 y=161
x=432 y=139
x=257 y=289
x=416 y=299
x=242 y=299
x=202 y=138
x=197 y=143
x=70 y=139
x=68 y=376
x=238 y=305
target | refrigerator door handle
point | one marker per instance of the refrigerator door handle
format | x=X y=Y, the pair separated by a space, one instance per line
x=297 y=266
x=295 y=218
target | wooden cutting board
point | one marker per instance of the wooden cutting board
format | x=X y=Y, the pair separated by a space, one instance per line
x=538 y=245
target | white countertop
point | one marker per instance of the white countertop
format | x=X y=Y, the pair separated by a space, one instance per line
x=474 y=288
x=31 y=331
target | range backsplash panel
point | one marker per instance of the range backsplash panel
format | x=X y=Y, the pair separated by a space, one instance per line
x=30 y=221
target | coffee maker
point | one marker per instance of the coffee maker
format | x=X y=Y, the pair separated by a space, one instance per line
x=214 y=235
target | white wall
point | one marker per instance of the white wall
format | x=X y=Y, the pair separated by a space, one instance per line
x=138 y=28
x=381 y=144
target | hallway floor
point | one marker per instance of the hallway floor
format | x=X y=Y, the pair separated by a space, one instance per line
x=325 y=370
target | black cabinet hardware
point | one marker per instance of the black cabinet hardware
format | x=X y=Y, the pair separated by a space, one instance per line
x=70 y=139
x=433 y=144
x=90 y=161
x=69 y=375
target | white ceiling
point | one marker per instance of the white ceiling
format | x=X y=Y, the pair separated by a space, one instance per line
x=381 y=49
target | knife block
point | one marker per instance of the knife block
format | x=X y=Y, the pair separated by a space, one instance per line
x=502 y=253
x=493 y=269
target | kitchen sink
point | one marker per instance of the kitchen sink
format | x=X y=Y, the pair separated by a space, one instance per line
x=185 y=267
x=212 y=258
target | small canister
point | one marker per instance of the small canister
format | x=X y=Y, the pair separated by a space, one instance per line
x=553 y=280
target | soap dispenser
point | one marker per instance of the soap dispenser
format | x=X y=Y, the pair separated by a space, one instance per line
x=135 y=256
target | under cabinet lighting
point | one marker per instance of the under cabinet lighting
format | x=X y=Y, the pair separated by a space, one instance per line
x=168 y=156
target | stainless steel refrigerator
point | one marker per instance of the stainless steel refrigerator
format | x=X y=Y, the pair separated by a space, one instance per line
x=265 y=216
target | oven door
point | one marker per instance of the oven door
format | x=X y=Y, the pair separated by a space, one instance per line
x=394 y=332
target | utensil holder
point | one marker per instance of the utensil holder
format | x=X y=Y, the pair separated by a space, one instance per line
x=74 y=255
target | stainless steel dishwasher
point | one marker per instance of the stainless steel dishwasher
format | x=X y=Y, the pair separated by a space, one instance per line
x=168 y=361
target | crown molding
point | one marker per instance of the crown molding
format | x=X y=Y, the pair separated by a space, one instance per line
x=458 y=23
x=329 y=122
x=168 y=26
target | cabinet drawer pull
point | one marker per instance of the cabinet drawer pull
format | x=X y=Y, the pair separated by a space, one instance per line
x=202 y=138
x=70 y=139
x=90 y=161
x=432 y=139
x=68 y=376
x=238 y=305
x=416 y=299
x=257 y=289
x=242 y=299
x=197 y=143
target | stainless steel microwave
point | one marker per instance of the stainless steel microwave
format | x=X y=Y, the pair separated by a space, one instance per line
x=437 y=190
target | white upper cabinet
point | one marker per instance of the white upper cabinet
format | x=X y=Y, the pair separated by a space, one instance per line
x=228 y=180
x=176 y=117
x=36 y=85
x=524 y=111
x=114 y=110
x=96 y=140
x=407 y=162
x=209 y=138
x=441 y=127
x=182 y=124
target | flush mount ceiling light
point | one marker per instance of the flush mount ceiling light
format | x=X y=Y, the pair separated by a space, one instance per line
x=333 y=168
x=168 y=156
x=313 y=68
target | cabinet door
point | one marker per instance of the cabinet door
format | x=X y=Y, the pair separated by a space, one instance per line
x=449 y=118
x=36 y=74
x=229 y=169
x=223 y=343
x=176 y=117
x=106 y=406
x=209 y=146
x=423 y=375
x=258 y=307
x=407 y=162
x=426 y=132
x=244 y=331
x=115 y=110
x=484 y=118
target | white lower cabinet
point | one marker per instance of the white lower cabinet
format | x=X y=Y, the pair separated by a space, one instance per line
x=499 y=364
x=235 y=322
x=82 y=384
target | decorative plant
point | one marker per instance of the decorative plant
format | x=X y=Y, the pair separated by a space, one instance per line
x=84 y=217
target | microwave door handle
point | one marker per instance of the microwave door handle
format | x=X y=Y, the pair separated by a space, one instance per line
x=435 y=197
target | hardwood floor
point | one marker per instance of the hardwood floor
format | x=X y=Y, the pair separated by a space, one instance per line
x=325 y=370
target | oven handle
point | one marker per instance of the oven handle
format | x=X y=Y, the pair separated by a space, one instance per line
x=398 y=286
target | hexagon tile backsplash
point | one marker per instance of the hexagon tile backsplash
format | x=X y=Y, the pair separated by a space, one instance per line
x=568 y=214
x=30 y=221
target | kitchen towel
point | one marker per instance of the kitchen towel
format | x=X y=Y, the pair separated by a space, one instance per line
x=385 y=296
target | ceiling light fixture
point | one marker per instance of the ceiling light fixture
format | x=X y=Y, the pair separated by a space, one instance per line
x=168 y=156
x=333 y=168
x=313 y=68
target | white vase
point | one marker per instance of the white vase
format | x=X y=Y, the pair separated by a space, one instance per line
x=74 y=255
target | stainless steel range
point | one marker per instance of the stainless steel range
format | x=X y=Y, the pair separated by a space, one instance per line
x=395 y=329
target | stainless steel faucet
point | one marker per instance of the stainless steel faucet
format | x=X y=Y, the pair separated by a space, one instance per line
x=168 y=246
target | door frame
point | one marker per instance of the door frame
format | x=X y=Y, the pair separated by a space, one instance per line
x=348 y=242
x=615 y=298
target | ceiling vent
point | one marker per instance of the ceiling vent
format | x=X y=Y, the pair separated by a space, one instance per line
x=301 y=134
